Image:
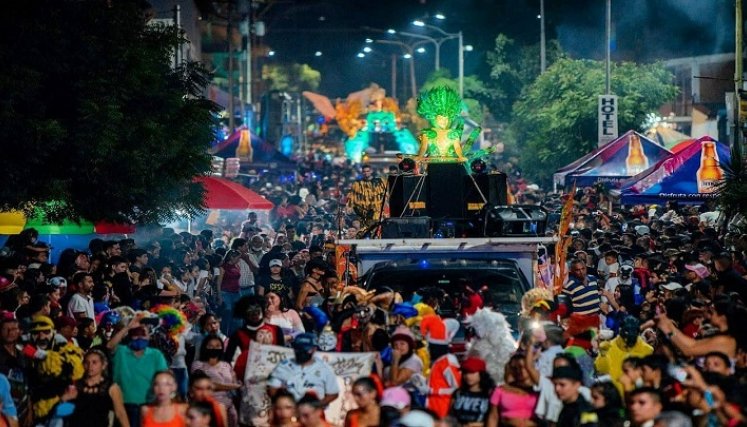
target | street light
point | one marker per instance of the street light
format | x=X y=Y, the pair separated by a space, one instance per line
x=271 y=53
x=361 y=55
x=318 y=53
x=367 y=49
x=407 y=56
x=391 y=31
x=421 y=50
x=439 y=16
x=369 y=40
x=437 y=43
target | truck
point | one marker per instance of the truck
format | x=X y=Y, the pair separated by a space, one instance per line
x=502 y=269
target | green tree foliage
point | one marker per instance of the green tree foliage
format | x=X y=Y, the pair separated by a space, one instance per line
x=555 y=121
x=512 y=68
x=94 y=118
x=291 y=77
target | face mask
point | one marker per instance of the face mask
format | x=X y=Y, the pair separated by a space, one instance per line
x=303 y=356
x=138 y=344
x=213 y=353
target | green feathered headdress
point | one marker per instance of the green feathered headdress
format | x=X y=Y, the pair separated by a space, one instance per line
x=439 y=101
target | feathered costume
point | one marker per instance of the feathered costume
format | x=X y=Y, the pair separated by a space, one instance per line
x=493 y=342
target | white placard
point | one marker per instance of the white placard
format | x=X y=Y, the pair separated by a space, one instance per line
x=255 y=403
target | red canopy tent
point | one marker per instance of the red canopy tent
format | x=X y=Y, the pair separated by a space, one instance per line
x=221 y=193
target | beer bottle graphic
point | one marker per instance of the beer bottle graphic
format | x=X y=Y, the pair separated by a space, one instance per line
x=636 y=162
x=709 y=174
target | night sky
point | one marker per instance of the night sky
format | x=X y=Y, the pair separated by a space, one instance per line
x=644 y=30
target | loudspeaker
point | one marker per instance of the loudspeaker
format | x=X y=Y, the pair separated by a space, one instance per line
x=492 y=186
x=445 y=190
x=406 y=228
x=515 y=220
x=407 y=195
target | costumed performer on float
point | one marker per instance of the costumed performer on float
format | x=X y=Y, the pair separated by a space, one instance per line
x=493 y=341
x=442 y=107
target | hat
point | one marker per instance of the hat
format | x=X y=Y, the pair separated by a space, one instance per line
x=305 y=341
x=566 y=372
x=396 y=397
x=452 y=327
x=6 y=284
x=57 y=282
x=473 y=364
x=672 y=286
x=276 y=263
x=642 y=230
x=671 y=252
x=41 y=324
x=403 y=333
x=63 y=321
x=405 y=310
x=416 y=418
x=699 y=269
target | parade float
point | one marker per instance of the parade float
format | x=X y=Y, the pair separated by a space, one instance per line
x=373 y=128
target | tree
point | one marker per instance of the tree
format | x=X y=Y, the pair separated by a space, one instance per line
x=94 y=117
x=291 y=77
x=555 y=121
x=512 y=68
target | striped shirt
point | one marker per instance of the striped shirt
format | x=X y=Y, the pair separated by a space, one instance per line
x=585 y=298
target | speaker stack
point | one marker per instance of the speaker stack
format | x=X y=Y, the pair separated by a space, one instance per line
x=448 y=202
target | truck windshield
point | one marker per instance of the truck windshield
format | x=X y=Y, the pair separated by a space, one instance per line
x=501 y=286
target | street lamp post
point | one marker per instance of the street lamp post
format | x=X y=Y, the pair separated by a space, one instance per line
x=447 y=36
x=409 y=50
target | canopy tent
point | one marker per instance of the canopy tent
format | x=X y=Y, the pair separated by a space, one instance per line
x=262 y=152
x=688 y=176
x=611 y=164
x=668 y=137
x=221 y=193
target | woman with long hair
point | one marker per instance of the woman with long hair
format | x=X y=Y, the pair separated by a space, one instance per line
x=279 y=314
x=366 y=396
x=725 y=315
x=220 y=372
x=283 y=410
x=608 y=405
x=164 y=411
x=470 y=404
x=513 y=402
x=98 y=395
x=312 y=290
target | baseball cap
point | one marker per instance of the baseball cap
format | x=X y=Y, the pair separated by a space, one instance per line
x=642 y=230
x=699 y=269
x=57 y=282
x=473 y=364
x=63 y=321
x=276 y=263
x=305 y=341
x=396 y=397
x=672 y=286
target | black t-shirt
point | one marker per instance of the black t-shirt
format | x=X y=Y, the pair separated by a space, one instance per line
x=470 y=407
x=578 y=413
x=284 y=286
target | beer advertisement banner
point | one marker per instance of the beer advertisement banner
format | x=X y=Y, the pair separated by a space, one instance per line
x=691 y=175
x=255 y=403
x=612 y=164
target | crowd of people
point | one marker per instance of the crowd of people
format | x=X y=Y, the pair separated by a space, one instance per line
x=156 y=330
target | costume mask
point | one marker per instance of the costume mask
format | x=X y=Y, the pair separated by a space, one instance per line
x=629 y=331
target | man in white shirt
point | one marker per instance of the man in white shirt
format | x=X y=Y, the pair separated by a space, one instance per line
x=81 y=303
x=305 y=374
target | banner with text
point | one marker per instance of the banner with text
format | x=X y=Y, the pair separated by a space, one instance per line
x=607 y=118
x=255 y=403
